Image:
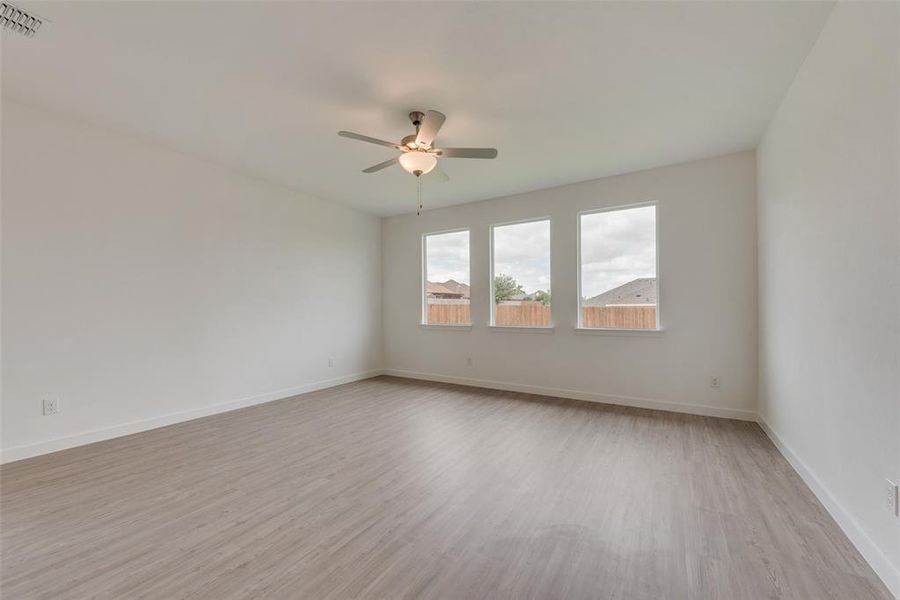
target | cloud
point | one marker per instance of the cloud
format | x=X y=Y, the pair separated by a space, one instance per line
x=617 y=247
x=448 y=256
x=523 y=251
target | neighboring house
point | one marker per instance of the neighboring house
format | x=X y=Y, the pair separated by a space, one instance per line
x=448 y=290
x=516 y=299
x=457 y=287
x=641 y=291
x=522 y=297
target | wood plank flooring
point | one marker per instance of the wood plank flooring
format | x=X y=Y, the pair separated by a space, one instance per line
x=392 y=488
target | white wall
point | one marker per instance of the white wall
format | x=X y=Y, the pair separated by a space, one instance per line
x=143 y=286
x=829 y=252
x=707 y=267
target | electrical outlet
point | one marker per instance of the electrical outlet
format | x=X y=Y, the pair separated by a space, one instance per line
x=51 y=406
x=890 y=491
x=468 y=361
x=330 y=361
x=715 y=382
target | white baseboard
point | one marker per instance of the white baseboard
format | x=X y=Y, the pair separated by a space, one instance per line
x=97 y=435
x=877 y=559
x=692 y=409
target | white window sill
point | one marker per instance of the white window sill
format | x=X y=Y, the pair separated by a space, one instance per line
x=514 y=329
x=617 y=331
x=446 y=327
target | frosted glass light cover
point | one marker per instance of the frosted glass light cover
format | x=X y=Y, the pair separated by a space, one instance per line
x=417 y=161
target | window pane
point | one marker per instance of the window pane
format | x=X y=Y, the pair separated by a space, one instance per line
x=618 y=269
x=521 y=273
x=447 y=279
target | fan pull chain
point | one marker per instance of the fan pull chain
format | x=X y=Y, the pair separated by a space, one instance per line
x=419 y=195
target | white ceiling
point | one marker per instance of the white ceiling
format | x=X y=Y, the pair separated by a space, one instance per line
x=565 y=91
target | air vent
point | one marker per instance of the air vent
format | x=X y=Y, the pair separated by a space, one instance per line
x=16 y=19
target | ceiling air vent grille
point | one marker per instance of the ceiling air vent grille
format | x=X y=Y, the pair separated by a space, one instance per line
x=16 y=19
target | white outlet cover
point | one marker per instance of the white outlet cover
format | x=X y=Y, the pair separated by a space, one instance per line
x=50 y=406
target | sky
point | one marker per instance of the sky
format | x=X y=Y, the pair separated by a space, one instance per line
x=616 y=247
x=448 y=256
x=523 y=251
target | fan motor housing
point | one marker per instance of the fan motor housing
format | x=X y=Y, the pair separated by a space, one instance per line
x=416 y=117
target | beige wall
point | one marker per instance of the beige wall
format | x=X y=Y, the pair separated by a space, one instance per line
x=143 y=286
x=706 y=219
x=829 y=267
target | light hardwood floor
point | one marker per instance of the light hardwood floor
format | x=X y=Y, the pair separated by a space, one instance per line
x=392 y=488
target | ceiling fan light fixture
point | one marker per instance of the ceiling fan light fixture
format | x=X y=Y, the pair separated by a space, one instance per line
x=417 y=153
x=417 y=162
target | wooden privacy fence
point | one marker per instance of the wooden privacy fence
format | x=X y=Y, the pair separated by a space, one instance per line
x=622 y=317
x=535 y=314
x=449 y=314
x=526 y=314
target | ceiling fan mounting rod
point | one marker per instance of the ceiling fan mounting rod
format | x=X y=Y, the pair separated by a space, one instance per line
x=416 y=117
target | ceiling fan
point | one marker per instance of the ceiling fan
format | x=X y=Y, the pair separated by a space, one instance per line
x=418 y=156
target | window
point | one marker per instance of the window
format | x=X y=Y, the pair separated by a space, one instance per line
x=446 y=279
x=617 y=269
x=520 y=274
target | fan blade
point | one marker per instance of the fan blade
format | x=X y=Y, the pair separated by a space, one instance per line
x=431 y=124
x=365 y=138
x=466 y=152
x=382 y=165
x=437 y=173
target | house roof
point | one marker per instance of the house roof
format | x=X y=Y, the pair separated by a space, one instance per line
x=432 y=287
x=637 y=291
x=447 y=288
x=455 y=286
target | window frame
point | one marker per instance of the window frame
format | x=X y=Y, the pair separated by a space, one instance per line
x=579 y=326
x=423 y=306
x=492 y=322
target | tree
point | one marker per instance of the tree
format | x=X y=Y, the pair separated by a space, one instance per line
x=505 y=287
x=542 y=297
